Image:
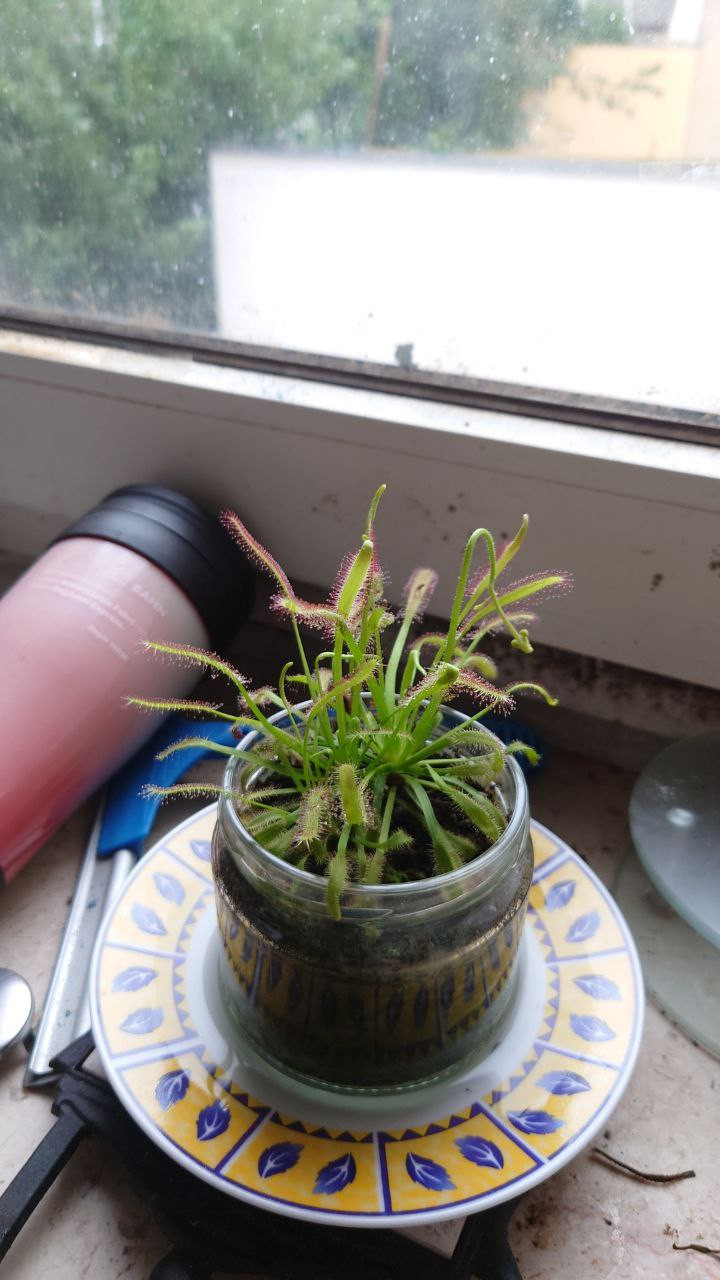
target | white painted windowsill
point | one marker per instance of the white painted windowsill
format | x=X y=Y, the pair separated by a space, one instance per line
x=635 y=518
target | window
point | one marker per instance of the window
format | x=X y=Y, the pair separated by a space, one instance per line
x=522 y=192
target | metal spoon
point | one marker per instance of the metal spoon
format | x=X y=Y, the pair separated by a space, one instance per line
x=16 y=1008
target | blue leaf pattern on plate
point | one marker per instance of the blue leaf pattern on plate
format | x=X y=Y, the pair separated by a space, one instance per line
x=564 y=1082
x=590 y=1028
x=147 y=919
x=133 y=979
x=420 y=1006
x=480 y=1151
x=428 y=1174
x=172 y=1088
x=279 y=1158
x=212 y=1121
x=274 y=971
x=559 y=895
x=201 y=849
x=600 y=988
x=584 y=927
x=335 y=1176
x=142 y=1021
x=169 y=887
x=447 y=991
x=534 y=1121
x=469 y=984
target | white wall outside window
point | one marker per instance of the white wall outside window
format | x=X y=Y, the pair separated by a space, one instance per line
x=583 y=280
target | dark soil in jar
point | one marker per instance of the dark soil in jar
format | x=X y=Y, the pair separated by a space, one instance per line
x=417 y=860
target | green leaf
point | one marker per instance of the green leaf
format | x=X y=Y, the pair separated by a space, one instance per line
x=528 y=686
x=418 y=591
x=206 y=743
x=483 y=769
x=258 y=795
x=398 y=840
x=375 y=867
x=191 y=656
x=336 y=690
x=350 y=795
x=370 y=522
x=435 y=684
x=183 y=705
x=313 y=814
x=480 y=810
x=464 y=846
x=337 y=879
x=473 y=737
x=522 y=749
x=189 y=790
x=496 y=566
x=446 y=856
x=482 y=664
x=266 y=823
x=354 y=581
x=280 y=843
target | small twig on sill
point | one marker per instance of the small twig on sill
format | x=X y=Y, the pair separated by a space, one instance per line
x=698 y=1248
x=640 y=1173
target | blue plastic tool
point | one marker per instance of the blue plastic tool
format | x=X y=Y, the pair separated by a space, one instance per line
x=128 y=815
x=116 y=842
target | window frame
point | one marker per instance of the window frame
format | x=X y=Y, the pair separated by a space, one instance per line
x=605 y=412
x=635 y=516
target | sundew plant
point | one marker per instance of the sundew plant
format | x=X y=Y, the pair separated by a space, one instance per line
x=352 y=771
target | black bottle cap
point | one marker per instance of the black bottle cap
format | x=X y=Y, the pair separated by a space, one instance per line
x=183 y=540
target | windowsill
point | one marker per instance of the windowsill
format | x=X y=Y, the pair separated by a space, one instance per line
x=634 y=517
x=586 y=804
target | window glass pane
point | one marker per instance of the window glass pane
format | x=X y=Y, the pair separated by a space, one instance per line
x=523 y=190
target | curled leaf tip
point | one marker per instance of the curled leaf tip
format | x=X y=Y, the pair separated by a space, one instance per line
x=522 y=642
x=418 y=591
x=255 y=549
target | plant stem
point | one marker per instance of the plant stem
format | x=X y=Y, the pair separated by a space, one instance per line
x=447 y=651
x=387 y=815
x=503 y=561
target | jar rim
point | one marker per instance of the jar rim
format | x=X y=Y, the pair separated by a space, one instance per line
x=486 y=862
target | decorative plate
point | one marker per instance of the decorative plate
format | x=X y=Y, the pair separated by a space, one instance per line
x=440 y=1151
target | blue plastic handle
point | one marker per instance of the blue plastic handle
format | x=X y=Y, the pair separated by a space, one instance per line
x=128 y=815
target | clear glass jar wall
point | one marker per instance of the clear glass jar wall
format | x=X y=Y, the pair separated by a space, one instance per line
x=411 y=981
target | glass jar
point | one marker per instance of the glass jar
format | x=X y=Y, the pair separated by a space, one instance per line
x=414 y=979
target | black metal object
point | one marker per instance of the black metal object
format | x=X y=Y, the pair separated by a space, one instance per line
x=210 y=1231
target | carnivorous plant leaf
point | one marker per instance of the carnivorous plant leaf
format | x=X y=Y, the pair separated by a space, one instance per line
x=365 y=780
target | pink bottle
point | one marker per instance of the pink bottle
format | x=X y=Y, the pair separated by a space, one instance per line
x=146 y=563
